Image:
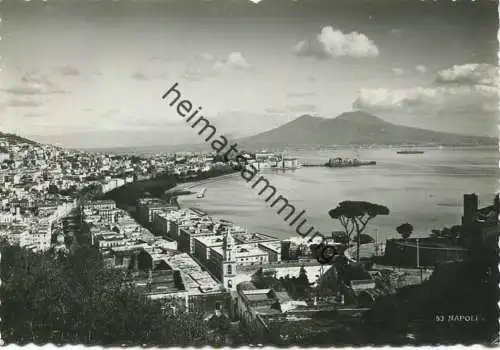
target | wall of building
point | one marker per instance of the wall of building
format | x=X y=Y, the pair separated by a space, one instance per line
x=184 y=240
x=208 y=303
x=201 y=252
x=262 y=258
x=430 y=251
x=252 y=322
x=273 y=255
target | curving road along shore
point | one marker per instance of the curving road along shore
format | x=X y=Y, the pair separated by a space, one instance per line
x=189 y=185
x=126 y=196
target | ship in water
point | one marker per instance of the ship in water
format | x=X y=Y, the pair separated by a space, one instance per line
x=201 y=194
x=343 y=163
x=410 y=151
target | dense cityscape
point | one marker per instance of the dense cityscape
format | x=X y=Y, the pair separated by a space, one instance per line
x=119 y=214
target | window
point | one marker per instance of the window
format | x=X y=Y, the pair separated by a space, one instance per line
x=217 y=305
x=229 y=283
x=229 y=269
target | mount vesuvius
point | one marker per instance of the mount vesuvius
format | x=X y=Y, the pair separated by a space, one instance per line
x=354 y=128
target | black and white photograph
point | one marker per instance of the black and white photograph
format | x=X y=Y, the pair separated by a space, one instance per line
x=227 y=173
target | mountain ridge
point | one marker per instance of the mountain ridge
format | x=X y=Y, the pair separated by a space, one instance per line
x=355 y=128
x=348 y=128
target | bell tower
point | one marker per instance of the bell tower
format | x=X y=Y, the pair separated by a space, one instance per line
x=229 y=260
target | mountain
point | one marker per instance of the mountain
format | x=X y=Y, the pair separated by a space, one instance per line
x=13 y=138
x=354 y=128
x=350 y=128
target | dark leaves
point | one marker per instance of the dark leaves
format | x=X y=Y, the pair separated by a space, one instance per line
x=355 y=215
x=405 y=230
x=352 y=209
x=52 y=298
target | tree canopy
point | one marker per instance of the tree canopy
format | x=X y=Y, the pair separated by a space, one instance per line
x=71 y=298
x=405 y=230
x=297 y=287
x=355 y=215
x=452 y=232
x=356 y=209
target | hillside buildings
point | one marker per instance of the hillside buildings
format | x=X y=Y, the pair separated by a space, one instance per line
x=44 y=183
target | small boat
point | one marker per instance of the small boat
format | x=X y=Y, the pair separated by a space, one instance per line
x=201 y=194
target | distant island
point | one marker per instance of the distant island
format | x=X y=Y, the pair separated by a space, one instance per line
x=355 y=128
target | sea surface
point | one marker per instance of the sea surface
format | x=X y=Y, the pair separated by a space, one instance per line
x=425 y=190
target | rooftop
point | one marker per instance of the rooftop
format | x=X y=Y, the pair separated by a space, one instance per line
x=184 y=213
x=101 y=201
x=258 y=294
x=162 y=282
x=195 y=276
x=128 y=249
x=211 y=241
x=105 y=234
x=254 y=237
x=126 y=220
x=14 y=229
x=199 y=231
x=246 y=251
x=276 y=246
x=241 y=251
x=152 y=201
x=114 y=239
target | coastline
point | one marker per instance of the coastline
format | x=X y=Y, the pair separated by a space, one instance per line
x=436 y=186
x=126 y=196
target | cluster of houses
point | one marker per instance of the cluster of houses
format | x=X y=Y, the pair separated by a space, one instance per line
x=35 y=231
x=195 y=261
x=40 y=184
x=158 y=268
x=213 y=266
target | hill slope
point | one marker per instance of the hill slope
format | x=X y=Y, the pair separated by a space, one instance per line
x=354 y=128
x=16 y=138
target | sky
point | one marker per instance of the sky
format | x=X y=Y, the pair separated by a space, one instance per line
x=91 y=73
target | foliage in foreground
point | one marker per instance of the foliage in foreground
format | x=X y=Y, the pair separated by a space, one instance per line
x=61 y=299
